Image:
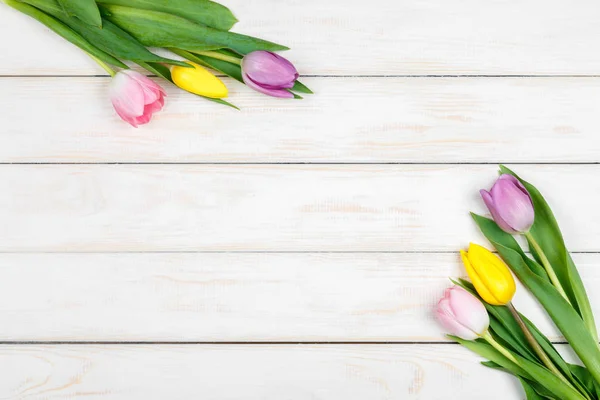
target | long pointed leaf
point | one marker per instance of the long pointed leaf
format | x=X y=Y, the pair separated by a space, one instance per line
x=158 y=29
x=110 y=38
x=562 y=313
x=85 y=10
x=202 y=12
x=494 y=233
x=547 y=233
x=525 y=369
x=65 y=32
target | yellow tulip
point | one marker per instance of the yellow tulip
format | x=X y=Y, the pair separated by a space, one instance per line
x=199 y=80
x=490 y=276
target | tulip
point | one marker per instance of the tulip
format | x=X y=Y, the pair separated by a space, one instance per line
x=462 y=314
x=135 y=97
x=510 y=205
x=490 y=276
x=269 y=73
x=198 y=80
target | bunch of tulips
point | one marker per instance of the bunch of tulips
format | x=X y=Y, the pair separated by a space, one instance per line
x=113 y=32
x=480 y=314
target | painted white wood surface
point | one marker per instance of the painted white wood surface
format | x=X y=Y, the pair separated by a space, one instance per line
x=105 y=208
x=327 y=251
x=381 y=37
x=406 y=120
x=250 y=372
x=244 y=297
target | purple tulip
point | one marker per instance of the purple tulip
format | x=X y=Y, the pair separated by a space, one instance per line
x=462 y=314
x=269 y=73
x=510 y=205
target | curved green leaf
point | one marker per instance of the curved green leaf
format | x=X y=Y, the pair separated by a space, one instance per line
x=530 y=392
x=86 y=10
x=586 y=380
x=65 y=32
x=547 y=233
x=203 y=12
x=525 y=369
x=494 y=234
x=562 y=313
x=158 y=29
x=301 y=88
x=110 y=38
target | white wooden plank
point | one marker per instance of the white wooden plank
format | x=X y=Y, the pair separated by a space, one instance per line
x=270 y=207
x=290 y=297
x=382 y=37
x=292 y=372
x=393 y=119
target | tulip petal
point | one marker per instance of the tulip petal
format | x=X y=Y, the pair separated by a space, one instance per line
x=489 y=202
x=135 y=97
x=270 y=70
x=271 y=92
x=145 y=81
x=513 y=205
x=480 y=286
x=127 y=96
x=449 y=323
x=492 y=278
x=469 y=310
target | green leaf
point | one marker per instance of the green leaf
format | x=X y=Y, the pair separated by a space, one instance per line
x=501 y=315
x=86 y=10
x=530 y=391
x=525 y=369
x=158 y=70
x=202 y=12
x=547 y=233
x=494 y=234
x=301 y=88
x=110 y=39
x=548 y=347
x=158 y=29
x=487 y=351
x=562 y=313
x=512 y=341
x=232 y=70
x=586 y=380
x=65 y=32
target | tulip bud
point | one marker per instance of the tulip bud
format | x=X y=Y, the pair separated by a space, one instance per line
x=135 y=97
x=510 y=205
x=269 y=73
x=490 y=276
x=462 y=314
x=198 y=80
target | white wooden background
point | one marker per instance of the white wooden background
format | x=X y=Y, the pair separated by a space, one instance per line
x=292 y=250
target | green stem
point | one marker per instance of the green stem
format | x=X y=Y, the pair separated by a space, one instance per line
x=547 y=266
x=219 y=56
x=488 y=338
x=536 y=346
x=104 y=65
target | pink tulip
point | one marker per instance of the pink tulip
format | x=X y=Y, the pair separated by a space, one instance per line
x=462 y=314
x=135 y=97
x=269 y=73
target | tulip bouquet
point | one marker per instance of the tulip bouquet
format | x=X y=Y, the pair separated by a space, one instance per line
x=113 y=32
x=480 y=315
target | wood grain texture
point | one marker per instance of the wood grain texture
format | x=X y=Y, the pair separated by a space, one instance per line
x=382 y=37
x=265 y=372
x=348 y=120
x=290 y=297
x=105 y=208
